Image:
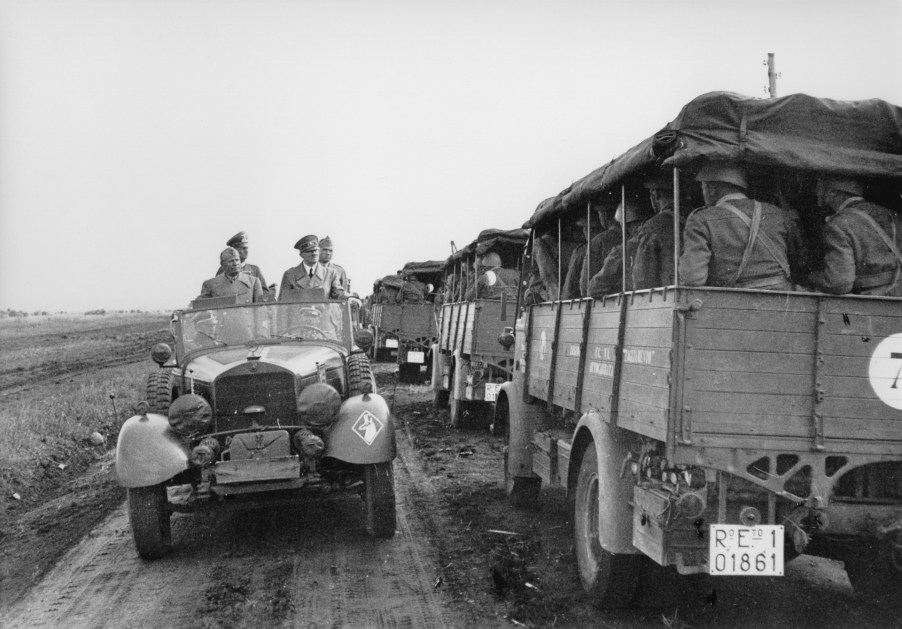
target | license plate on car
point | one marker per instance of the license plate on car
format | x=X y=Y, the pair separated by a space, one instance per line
x=491 y=391
x=416 y=357
x=741 y=550
x=391 y=343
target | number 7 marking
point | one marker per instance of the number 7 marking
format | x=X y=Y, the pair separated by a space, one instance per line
x=896 y=356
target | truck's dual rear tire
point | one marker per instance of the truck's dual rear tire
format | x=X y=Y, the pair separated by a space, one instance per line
x=874 y=568
x=609 y=579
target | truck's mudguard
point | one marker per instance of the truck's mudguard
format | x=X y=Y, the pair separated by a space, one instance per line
x=364 y=432
x=147 y=452
x=615 y=488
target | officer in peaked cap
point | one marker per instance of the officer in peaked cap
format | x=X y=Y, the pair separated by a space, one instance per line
x=325 y=258
x=862 y=242
x=310 y=274
x=239 y=243
x=719 y=246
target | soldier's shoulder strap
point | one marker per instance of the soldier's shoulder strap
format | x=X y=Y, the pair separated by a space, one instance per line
x=755 y=233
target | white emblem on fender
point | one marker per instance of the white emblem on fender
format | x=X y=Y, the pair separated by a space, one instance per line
x=885 y=371
x=368 y=427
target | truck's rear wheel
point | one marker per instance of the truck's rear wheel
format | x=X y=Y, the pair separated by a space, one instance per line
x=874 y=568
x=149 y=518
x=458 y=410
x=609 y=579
x=160 y=391
x=379 y=499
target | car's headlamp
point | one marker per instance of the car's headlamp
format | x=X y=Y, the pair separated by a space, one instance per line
x=318 y=404
x=161 y=353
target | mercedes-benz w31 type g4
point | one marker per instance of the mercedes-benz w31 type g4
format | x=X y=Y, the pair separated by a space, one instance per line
x=258 y=403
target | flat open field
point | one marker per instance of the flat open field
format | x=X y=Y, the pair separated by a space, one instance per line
x=462 y=556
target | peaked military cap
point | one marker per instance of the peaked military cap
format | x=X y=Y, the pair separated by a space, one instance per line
x=307 y=243
x=238 y=239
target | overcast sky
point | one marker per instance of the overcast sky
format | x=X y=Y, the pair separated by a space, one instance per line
x=136 y=136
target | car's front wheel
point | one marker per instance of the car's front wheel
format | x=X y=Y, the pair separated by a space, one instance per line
x=149 y=518
x=379 y=499
x=360 y=375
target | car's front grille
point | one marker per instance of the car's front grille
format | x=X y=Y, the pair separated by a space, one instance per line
x=273 y=390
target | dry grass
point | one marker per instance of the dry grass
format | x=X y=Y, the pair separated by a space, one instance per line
x=16 y=327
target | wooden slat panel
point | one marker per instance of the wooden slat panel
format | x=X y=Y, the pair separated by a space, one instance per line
x=752 y=341
x=649 y=396
x=760 y=404
x=752 y=362
x=790 y=321
x=741 y=423
x=751 y=382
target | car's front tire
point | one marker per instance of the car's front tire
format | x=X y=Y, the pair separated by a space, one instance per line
x=160 y=391
x=379 y=499
x=149 y=518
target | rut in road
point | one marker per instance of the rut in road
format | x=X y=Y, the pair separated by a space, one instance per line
x=308 y=565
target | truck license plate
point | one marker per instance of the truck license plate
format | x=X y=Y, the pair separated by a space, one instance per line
x=416 y=357
x=746 y=550
x=391 y=343
x=491 y=391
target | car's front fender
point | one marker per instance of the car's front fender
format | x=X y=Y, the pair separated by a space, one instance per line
x=147 y=453
x=364 y=432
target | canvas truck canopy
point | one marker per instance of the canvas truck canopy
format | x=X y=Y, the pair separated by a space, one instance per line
x=422 y=268
x=798 y=132
x=487 y=240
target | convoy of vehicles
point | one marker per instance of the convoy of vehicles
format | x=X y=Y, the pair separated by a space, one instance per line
x=258 y=403
x=406 y=330
x=711 y=429
x=696 y=429
x=468 y=364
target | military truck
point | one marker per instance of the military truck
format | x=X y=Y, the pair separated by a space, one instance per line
x=720 y=430
x=468 y=364
x=407 y=329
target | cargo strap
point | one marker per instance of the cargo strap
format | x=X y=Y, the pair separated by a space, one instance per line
x=889 y=242
x=755 y=233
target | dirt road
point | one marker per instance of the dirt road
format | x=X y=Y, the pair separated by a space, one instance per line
x=462 y=557
x=309 y=565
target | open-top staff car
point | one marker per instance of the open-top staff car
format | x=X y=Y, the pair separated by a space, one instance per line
x=259 y=403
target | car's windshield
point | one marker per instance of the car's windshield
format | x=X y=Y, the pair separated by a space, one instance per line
x=260 y=323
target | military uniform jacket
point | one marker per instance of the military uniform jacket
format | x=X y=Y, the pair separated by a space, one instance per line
x=653 y=264
x=250 y=269
x=715 y=239
x=599 y=249
x=342 y=275
x=296 y=278
x=246 y=288
x=609 y=279
x=412 y=292
x=856 y=258
x=506 y=281
x=574 y=271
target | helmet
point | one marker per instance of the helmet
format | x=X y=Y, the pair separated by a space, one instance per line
x=843 y=184
x=491 y=259
x=635 y=211
x=725 y=172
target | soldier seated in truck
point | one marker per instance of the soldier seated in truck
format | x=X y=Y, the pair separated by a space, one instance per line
x=738 y=242
x=609 y=279
x=412 y=290
x=493 y=279
x=862 y=242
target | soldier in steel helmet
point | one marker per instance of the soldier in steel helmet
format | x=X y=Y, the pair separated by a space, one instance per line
x=610 y=278
x=862 y=242
x=653 y=264
x=310 y=274
x=326 y=251
x=492 y=280
x=239 y=242
x=735 y=241
x=232 y=282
